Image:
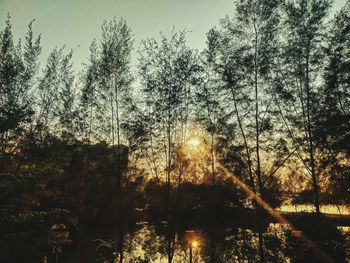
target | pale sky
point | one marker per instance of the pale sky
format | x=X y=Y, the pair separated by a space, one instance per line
x=76 y=22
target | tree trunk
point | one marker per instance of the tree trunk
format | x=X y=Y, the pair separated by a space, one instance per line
x=119 y=176
x=258 y=169
x=310 y=139
x=169 y=237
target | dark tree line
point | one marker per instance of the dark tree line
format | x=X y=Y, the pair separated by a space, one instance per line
x=88 y=156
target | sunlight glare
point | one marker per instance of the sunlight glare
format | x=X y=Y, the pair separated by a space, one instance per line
x=277 y=215
x=194 y=244
x=194 y=141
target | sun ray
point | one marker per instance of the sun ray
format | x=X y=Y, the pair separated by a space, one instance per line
x=277 y=215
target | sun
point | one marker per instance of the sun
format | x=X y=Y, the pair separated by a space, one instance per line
x=194 y=141
x=194 y=244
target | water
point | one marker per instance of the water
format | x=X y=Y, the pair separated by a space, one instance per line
x=327 y=209
x=228 y=245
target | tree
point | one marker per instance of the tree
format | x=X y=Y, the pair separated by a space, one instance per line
x=332 y=129
x=209 y=98
x=66 y=112
x=303 y=56
x=26 y=227
x=246 y=59
x=17 y=75
x=89 y=99
x=210 y=117
x=167 y=71
x=48 y=96
x=106 y=88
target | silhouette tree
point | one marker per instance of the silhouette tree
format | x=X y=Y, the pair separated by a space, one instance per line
x=109 y=72
x=18 y=69
x=67 y=112
x=167 y=71
x=302 y=51
x=247 y=51
x=332 y=125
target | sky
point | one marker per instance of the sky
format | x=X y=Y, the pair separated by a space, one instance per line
x=75 y=23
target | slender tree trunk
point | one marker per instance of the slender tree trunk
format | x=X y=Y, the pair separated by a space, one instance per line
x=119 y=176
x=168 y=205
x=90 y=125
x=114 y=169
x=153 y=159
x=3 y=149
x=117 y=114
x=249 y=162
x=310 y=138
x=213 y=174
x=169 y=237
x=258 y=169
x=256 y=205
x=213 y=161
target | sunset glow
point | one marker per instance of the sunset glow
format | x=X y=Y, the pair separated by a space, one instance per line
x=174 y=131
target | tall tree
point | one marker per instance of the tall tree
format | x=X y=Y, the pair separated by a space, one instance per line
x=89 y=99
x=210 y=115
x=336 y=74
x=114 y=70
x=167 y=70
x=18 y=68
x=332 y=129
x=106 y=82
x=108 y=79
x=304 y=22
x=246 y=61
x=67 y=112
x=48 y=96
x=209 y=96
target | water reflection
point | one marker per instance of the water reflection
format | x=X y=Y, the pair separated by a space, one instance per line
x=327 y=209
x=230 y=245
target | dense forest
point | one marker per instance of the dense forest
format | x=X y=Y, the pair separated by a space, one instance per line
x=186 y=155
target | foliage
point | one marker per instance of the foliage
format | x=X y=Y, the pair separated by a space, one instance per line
x=137 y=161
